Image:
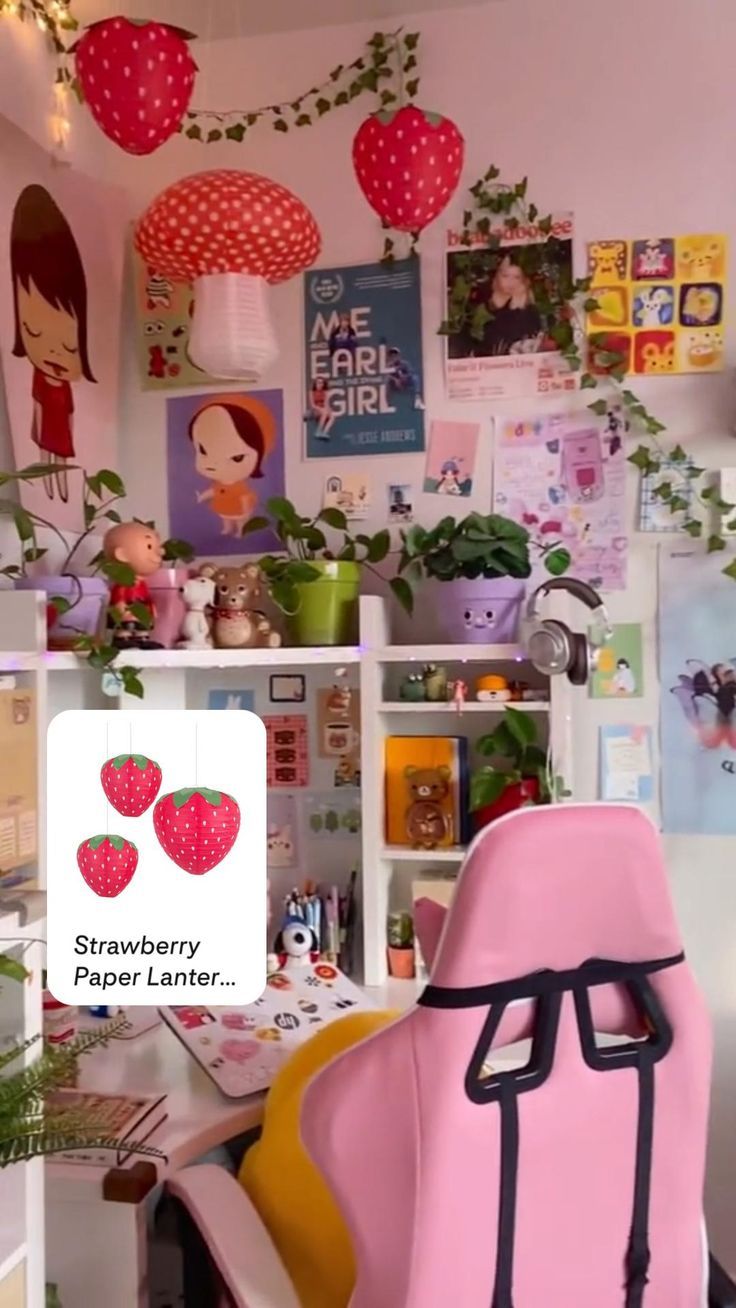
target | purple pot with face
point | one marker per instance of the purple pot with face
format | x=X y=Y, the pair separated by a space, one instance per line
x=87 y=598
x=486 y=611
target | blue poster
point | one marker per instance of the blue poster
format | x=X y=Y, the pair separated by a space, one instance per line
x=697 y=668
x=364 y=374
x=231 y=699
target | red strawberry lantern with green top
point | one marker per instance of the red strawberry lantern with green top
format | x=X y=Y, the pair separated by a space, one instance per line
x=107 y=864
x=137 y=78
x=196 y=827
x=131 y=783
x=408 y=165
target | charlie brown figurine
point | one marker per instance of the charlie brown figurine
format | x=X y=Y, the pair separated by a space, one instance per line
x=138 y=546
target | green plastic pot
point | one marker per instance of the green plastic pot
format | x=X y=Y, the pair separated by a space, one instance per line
x=328 y=607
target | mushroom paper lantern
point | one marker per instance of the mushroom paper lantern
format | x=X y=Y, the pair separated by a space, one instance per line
x=229 y=233
x=408 y=165
x=137 y=79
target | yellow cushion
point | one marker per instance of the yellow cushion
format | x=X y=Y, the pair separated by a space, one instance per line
x=285 y=1187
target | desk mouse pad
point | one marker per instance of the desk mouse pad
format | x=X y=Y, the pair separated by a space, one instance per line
x=243 y=1047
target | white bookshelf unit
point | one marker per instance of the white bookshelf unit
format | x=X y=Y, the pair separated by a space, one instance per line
x=180 y=678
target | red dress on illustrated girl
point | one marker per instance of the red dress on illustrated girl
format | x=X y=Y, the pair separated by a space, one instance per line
x=54 y=432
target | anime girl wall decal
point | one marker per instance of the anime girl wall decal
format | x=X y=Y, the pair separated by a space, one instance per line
x=50 y=311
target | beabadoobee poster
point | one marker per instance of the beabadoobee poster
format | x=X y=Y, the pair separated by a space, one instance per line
x=364 y=378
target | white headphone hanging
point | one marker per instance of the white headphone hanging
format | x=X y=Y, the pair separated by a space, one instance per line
x=553 y=648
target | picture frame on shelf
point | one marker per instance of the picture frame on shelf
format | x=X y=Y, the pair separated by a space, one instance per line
x=287 y=688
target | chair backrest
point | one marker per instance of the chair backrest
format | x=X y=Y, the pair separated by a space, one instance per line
x=550 y=1185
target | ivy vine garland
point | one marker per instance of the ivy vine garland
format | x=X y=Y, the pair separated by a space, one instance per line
x=387 y=68
x=563 y=303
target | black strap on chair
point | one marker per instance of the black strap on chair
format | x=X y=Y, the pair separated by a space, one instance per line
x=504 y=1088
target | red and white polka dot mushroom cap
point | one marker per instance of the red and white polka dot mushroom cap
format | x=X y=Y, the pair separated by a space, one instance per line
x=228 y=221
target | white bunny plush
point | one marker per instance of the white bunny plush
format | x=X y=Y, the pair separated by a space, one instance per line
x=199 y=596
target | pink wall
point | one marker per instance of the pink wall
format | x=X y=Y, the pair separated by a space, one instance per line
x=624 y=113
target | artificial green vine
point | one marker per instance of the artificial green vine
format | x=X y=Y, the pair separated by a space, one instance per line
x=53 y=17
x=563 y=303
x=388 y=69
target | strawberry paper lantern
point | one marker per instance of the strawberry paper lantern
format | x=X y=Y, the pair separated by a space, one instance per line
x=137 y=78
x=107 y=864
x=131 y=783
x=196 y=827
x=408 y=165
x=230 y=233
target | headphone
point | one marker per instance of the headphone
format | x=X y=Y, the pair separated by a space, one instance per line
x=552 y=647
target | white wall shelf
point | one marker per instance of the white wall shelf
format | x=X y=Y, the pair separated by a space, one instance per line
x=179 y=678
x=470 y=706
x=449 y=653
x=182 y=659
x=405 y=854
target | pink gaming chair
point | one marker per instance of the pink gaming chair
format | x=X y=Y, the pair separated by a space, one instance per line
x=573 y=1181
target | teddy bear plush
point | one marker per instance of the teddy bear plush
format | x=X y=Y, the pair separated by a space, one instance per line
x=237 y=623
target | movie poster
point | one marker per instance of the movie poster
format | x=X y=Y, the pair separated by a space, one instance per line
x=225 y=459
x=497 y=337
x=697 y=670
x=364 y=376
x=62 y=239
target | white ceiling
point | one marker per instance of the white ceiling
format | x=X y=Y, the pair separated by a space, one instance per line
x=226 y=18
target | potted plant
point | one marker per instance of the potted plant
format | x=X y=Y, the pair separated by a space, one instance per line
x=484 y=560
x=400 y=933
x=29 y=1127
x=316 y=586
x=517 y=776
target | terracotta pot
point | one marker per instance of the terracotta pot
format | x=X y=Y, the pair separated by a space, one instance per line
x=401 y=962
x=518 y=795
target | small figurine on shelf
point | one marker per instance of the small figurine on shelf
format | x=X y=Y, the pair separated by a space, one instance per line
x=435 y=683
x=517 y=690
x=427 y=823
x=296 y=944
x=199 y=597
x=459 y=694
x=238 y=624
x=413 y=688
x=492 y=689
x=138 y=548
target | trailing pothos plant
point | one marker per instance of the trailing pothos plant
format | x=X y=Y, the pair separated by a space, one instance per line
x=495 y=214
x=304 y=543
x=101 y=492
x=480 y=545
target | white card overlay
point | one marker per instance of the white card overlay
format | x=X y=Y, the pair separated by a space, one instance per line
x=169 y=936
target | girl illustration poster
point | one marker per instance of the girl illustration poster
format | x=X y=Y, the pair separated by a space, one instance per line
x=698 y=687
x=62 y=237
x=50 y=309
x=225 y=460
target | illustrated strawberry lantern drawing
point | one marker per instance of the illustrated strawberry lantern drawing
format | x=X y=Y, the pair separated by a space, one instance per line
x=408 y=165
x=196 y=827
x=230 y=233
x=137 y=78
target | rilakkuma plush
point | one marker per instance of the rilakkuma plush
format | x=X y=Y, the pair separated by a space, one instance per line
x=237 y=623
